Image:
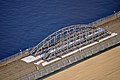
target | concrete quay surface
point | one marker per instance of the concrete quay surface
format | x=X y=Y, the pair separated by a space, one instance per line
x=102 y=67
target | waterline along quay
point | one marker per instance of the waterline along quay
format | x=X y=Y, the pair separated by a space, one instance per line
x=62 y=48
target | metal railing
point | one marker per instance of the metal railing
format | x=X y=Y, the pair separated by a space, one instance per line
x=21 y=54
x=14 y=57
x=105 y=19
x=71 y=59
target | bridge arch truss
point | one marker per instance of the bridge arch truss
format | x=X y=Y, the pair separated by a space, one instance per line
x=68 y=39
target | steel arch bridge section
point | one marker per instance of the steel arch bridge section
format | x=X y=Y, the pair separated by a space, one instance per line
x=68 y=39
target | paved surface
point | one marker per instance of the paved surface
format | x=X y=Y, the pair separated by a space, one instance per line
x=105 y=66
x=19 y=68
x=112 y=26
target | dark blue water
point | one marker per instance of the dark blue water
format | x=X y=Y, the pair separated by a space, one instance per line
x=24 y=23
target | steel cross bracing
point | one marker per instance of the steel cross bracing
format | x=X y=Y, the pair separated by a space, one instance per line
x=68 y=39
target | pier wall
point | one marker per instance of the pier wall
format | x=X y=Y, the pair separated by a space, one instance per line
x=13 y=58
x=80 y=55
x=76 y=57
x=26 y=52
x=105 y=19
